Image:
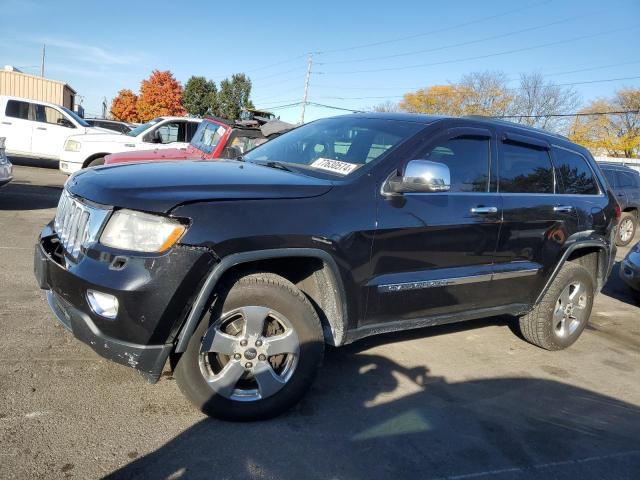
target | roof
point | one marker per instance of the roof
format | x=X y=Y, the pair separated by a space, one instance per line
x=427 y=119
x=619 y=166
x=37 y=77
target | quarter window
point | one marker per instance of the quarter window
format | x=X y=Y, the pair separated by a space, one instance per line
x=17 y=109
x=468 y=161
x=577 y=177
x=525 y=169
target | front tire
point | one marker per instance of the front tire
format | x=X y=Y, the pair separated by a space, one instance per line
x=563 y=313
x=256 y=353
x=626 y=229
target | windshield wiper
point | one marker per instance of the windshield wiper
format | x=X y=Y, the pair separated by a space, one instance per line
x=278 y=165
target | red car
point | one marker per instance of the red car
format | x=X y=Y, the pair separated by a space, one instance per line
x=215 y=138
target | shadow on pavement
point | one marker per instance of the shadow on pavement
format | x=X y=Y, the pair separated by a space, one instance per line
x=34 y=162
x=349 y=427
x=20 y=195
x=616 y=288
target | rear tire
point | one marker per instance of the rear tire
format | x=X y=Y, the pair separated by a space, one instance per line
x=227 y=370
x=96 y=162
x=626 y=229
x=563 y=313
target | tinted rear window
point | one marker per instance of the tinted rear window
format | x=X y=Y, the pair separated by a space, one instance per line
x=525 y=169
x=576 y=175
x=17 y=109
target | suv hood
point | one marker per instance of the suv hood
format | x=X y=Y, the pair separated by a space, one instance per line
x=155 y=154
x=160 y=186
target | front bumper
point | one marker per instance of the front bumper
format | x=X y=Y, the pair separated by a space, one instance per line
x=71 y=162
x=154 y=297
x=6 y=173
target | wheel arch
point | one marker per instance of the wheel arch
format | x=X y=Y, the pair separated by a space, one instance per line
x=580 y=252
x=329 y=302
x=92 y=157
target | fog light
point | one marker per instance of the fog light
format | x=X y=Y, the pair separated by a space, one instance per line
x=103 y=304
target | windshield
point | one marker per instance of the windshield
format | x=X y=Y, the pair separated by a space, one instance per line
x=339 y=145
x=78 y=119
x=138 y=130
x=208 y=136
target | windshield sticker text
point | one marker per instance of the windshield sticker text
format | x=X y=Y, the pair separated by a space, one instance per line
x=335 y=166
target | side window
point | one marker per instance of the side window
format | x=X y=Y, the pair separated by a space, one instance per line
x=50 y=115
x=17 y=109
x=611 y=177
x=577 y=177
x=626 y=180
x=468 y=161
x=169 y=132
x=525 y=169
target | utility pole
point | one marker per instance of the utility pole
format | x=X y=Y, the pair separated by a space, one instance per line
x=306 y=87
x=42 y=63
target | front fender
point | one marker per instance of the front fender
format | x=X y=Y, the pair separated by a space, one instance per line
x=338 y=325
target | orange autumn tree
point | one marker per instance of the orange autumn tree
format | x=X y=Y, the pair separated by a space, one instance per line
x=160 y=94
x=123 y=107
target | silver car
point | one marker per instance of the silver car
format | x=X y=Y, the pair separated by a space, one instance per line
x=630 y=269
x=6 y=169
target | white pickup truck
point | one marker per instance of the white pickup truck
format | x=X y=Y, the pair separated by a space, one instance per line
x=88 y=150
x=38 y=129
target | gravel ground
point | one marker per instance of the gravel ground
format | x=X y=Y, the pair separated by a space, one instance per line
x=465 y=401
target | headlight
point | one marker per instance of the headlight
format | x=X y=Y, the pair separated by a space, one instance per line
x=72 y=146
x=141 y=232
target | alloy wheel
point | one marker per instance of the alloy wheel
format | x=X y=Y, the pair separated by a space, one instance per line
x=625 y=230
x=570 y=310
x=249 y=354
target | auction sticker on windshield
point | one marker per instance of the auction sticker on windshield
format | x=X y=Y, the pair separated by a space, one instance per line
x=335 y=166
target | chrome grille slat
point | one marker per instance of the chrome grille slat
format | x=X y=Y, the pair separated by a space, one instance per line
x=77 y=223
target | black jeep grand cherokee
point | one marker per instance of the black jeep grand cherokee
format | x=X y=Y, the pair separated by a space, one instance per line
x=240 y=271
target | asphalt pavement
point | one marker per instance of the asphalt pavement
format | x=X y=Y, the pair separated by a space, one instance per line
x=465 y=401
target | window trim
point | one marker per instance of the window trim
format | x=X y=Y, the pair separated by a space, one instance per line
x=446 y=134
x=601 y=190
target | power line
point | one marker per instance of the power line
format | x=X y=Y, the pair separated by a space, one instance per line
x=433 y=32
x=549 y=74
x=577 y=114
x=459 y=44
x=478 y=57
x=511 y=89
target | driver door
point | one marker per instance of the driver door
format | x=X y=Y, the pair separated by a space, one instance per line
x=50 y=131
x=433 y=252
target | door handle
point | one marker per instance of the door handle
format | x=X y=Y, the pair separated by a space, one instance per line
x=7 y=123
x=484 y=210
x=563 y=208
x=40 y=128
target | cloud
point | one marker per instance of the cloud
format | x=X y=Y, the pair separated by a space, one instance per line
x=90 y=53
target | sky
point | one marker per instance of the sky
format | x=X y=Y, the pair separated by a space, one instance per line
x=364 y=52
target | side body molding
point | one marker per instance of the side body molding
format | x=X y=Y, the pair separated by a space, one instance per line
x=338 y=325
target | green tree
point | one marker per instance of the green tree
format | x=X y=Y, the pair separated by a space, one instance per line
x=234 y=96
x=199 y=97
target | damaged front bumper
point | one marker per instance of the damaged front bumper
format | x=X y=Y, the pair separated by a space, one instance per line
x=154 y=295
x=149 y=360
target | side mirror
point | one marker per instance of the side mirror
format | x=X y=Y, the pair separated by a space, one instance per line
x=420 y=176
x=65 y=122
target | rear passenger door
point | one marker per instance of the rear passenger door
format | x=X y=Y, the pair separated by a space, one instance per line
x=17 y=127
x=536 y=221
